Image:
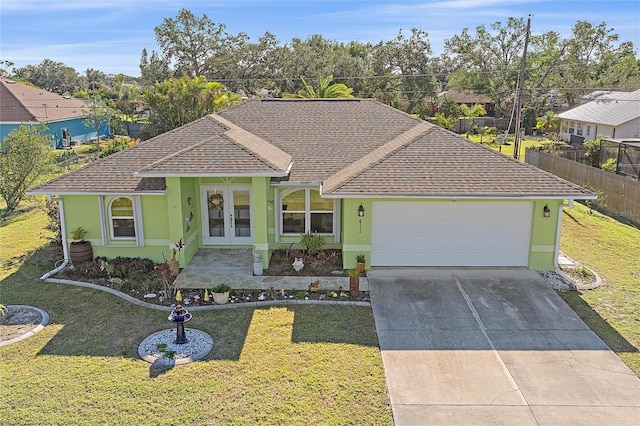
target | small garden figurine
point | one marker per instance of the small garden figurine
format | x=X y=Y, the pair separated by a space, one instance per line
x=297 y=264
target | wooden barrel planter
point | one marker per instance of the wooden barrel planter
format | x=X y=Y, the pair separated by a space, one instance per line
x=80 y=252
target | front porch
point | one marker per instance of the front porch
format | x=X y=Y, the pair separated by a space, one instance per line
x=210 y=267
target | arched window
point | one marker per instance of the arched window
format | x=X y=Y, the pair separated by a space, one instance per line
x=121 y=218
x=303 y=210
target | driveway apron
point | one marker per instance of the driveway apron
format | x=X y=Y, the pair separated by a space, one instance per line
x=493 y=346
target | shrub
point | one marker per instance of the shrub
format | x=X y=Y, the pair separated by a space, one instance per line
x=132 y=265
x=118 y=144
x=610 y=165
x=353 y=273
x=312 y=243
x=360 y=258
x=599 y=203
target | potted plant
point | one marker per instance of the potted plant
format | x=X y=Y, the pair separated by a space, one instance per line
x=354 y=282
x=80 y=250
x=221 y=294
x=360 y=262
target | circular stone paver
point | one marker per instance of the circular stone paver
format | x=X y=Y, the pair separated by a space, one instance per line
x=198 y=346
x=29 y=319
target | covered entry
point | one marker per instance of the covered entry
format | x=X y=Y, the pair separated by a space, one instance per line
x=451 y=233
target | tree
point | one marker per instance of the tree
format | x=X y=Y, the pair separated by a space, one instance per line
x=24 y=158
x=95 y=78
x=98 y=116
x=192 y=42
x=155 y=69
x=469 y=113
x=51 y=76
x=549 y=123
x=491 y=58
x=176 y=102
x=404 y=62
x=315 y=58
x=325 y=90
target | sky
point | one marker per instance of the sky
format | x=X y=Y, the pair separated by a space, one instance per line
x=109 y=35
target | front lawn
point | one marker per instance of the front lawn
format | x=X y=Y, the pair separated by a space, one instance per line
x=612 y=249
x=289 y=365
x=278 y=365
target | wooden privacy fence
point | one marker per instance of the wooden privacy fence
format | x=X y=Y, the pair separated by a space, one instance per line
x=623 y=194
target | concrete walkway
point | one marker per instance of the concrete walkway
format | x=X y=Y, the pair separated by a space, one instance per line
x=482 y=346
x=210 y=267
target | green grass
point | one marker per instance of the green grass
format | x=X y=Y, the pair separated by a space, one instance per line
x=303 y=364
x=508 y=149
x=279 y=365
x=612 y=249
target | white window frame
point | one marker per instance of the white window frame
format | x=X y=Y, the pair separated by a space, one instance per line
x=307 y=212
x=132 y=217
x=579 y=129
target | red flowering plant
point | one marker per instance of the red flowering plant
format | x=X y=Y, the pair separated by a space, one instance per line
x=178 y=246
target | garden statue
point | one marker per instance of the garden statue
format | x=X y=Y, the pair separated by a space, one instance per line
x=297 y=264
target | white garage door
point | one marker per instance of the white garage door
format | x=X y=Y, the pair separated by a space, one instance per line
x=450 y=233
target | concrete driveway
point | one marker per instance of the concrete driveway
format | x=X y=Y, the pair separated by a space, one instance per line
x=493 y=346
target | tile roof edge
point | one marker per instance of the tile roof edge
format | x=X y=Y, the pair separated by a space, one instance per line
x=376 y=156
x=267 y=152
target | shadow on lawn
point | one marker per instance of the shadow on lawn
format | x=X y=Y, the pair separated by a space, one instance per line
x=597 y=324
x=95 y=323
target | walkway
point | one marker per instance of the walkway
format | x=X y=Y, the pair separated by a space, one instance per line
x=210 y=267
x=481 y=346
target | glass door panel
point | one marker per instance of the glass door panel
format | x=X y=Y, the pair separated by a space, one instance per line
x=241 y=213
x=216 y=216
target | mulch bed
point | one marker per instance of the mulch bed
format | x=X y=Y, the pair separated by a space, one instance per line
x=325 y=263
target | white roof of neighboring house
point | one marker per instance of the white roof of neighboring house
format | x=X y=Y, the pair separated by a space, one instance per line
x=611 y=109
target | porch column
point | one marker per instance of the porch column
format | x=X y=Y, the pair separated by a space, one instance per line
x=259 y=223
x=174 y=207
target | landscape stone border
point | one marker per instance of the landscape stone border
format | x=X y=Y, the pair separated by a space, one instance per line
x=43 y=322
x=207 y=307
x=199 y=345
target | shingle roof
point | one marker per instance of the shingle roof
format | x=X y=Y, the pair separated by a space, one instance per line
x=439 y=163
x=22 y=103
x=322 y=135
x=353 y=146
x=611 y=109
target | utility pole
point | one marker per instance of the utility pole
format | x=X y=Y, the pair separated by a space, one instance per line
x=516 y=143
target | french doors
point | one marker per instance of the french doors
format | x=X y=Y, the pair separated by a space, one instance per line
x=226 y=215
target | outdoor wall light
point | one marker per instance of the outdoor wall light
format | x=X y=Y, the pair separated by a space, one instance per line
x=360 y=211
x=545 y=211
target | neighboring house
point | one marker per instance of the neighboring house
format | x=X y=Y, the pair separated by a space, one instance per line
x=369 y=178
x=470 y=99
x=612 y=114
x=22 y=104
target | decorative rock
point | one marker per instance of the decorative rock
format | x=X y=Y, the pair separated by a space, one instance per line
x=116 y=281
x=150 y=296
x=337 y=272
